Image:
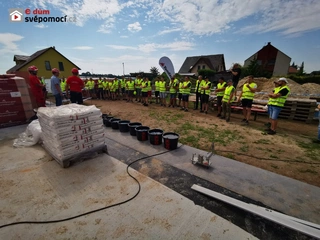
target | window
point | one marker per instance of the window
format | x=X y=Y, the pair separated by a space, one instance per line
x=199 y=67
x=61 y=68
x=48 y=66
x=203 y=67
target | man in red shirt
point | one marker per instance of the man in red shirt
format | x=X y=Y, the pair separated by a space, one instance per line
x=36 y=87
x=75 y=85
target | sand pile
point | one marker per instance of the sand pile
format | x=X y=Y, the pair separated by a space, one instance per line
x=266 y=86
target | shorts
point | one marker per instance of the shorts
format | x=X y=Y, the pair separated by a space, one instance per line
x=144 y=94
x=156 y=93
x=179 y=96
x=149 y=93
x=117 y=90
x=123 y=90
x=76 y=97
x=219 y=100
x=274 y=112
x=204 y=98
x=185 y=97
x=173 y=95
x=163 y=94
x=246 y=103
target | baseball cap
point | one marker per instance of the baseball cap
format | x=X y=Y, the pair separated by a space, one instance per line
x=283 y=79
x=205 y=77
x=230 y=80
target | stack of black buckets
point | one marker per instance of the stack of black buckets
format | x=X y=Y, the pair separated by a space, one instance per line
x=143 y=133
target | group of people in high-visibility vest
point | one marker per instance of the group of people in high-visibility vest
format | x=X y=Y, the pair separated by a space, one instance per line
x=226 y=93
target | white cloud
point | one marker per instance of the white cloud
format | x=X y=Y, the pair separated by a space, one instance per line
x=124 y=36
x=107 y=26
x=83 y=48
x=9 y=45
x=152 y=47
x=134 y=27
x=201 y=17
x=41 y=25
x=163 y=32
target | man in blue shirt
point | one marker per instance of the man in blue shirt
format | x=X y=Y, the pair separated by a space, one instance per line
x=55 y=87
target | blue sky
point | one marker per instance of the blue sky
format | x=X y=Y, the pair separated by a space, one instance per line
x=108 y=33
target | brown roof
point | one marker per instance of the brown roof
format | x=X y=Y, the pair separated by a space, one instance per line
x=292 y=70
x=211 y=60
x=32 y=57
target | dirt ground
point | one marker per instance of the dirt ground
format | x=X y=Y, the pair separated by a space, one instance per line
x=290 y=152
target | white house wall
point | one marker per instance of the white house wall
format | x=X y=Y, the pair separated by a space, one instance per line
x=282 y=64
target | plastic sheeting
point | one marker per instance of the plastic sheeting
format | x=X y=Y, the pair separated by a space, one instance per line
x=30 y=137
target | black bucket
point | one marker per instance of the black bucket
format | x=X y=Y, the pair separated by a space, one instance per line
x=104 y=116
x=114 y=123
x=107 y=121
x=155 y=136
x=132 y=128
x=142 y=133
x=123 y=125
x=170 y=140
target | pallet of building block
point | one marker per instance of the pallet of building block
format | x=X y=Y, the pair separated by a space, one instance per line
x=65 y=159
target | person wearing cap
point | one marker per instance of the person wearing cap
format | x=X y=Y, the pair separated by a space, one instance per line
x=198 y=93
x=75 y=84
x=205 y=92
x=55 y=87
x=246 y=96
x=36 y=86
x=276 y=103
x=268 y=124
x=227 y=99
x=220 y=92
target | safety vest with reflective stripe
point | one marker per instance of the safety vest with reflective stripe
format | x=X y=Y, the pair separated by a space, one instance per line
x=130 y=85
x=138 y=82
x=220 y=86
x=156 y=86
x=200 y=83
x=172 y=87
x=63 y=85
x=246 y=93
x=149 y=86
x=271 y=99
x=123 y=83
x=227 y=93
x=144 y=86
x=280 y=101
x=100 y=83
x=188 y=88
x=105 y=85
x=162 y=86
x=181 y=90
x=205 y=85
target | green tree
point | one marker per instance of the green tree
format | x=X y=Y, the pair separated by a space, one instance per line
x=301 y=70
x=255 y=69
x=206 y=72
x=155 y=71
